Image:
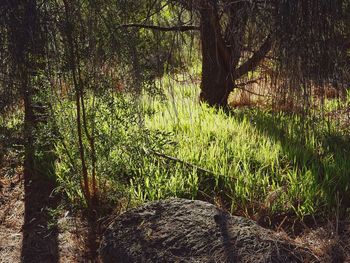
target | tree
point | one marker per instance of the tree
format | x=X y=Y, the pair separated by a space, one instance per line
x=223 y=38
x=51 y=44
x=236 y=36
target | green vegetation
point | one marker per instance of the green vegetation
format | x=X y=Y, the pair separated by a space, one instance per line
x=250 y=161
x=109 y=104
x=119 y=142
x=106 y=112
x=261 y=159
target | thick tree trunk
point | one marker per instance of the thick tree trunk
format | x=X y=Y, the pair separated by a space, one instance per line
x=216 y=83
x=217 y=80
x=222 y=50
x=215 y=86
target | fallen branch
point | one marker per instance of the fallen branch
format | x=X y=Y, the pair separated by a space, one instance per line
x=165 y=156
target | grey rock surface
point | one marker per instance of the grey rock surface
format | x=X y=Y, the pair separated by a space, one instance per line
x=179 y=230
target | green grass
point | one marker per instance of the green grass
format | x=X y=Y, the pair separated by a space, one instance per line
x=252 y=162
x=261 y=160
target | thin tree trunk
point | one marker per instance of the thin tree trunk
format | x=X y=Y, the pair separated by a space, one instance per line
x=78 y=97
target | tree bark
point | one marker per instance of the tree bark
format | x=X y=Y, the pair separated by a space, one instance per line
x=217 y=80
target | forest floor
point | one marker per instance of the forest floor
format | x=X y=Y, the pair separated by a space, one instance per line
x=36 y=225
x=65 y=237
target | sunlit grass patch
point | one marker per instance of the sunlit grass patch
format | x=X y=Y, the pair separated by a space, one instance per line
x=254 y=154
x=255 y=162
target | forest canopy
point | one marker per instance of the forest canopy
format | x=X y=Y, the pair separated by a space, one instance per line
x=305 y=42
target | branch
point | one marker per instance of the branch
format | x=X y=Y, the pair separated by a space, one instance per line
x=240 y=86
x=251 y=63
x=184 y=163
x=249 y=82
x=161 y=28
x=252 y=92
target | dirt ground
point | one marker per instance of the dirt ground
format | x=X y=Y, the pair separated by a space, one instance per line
x=34 y=225
x=63 y=241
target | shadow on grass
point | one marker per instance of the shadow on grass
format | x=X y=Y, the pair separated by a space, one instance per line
x=310 y=146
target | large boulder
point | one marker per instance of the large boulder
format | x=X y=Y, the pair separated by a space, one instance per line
x=178 y=230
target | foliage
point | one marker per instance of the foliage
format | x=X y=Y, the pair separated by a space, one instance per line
x=121 y=145
x=260 y=162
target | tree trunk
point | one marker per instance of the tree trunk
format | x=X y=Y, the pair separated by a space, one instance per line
x=217 y=79
x=222 y=50
x=21 y=31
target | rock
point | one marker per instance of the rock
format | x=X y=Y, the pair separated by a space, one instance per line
x=178 y=230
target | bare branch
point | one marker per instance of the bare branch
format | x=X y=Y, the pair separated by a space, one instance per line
x=161 y=28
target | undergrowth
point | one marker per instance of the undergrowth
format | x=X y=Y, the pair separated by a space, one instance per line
x=250 y=161
x=261 y=162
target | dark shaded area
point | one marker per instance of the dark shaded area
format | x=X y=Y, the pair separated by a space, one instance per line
x=40 y=229
x=40 y=232
x=179 y=230
x=11 y=144
x=92 y=238
x=221 y=220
